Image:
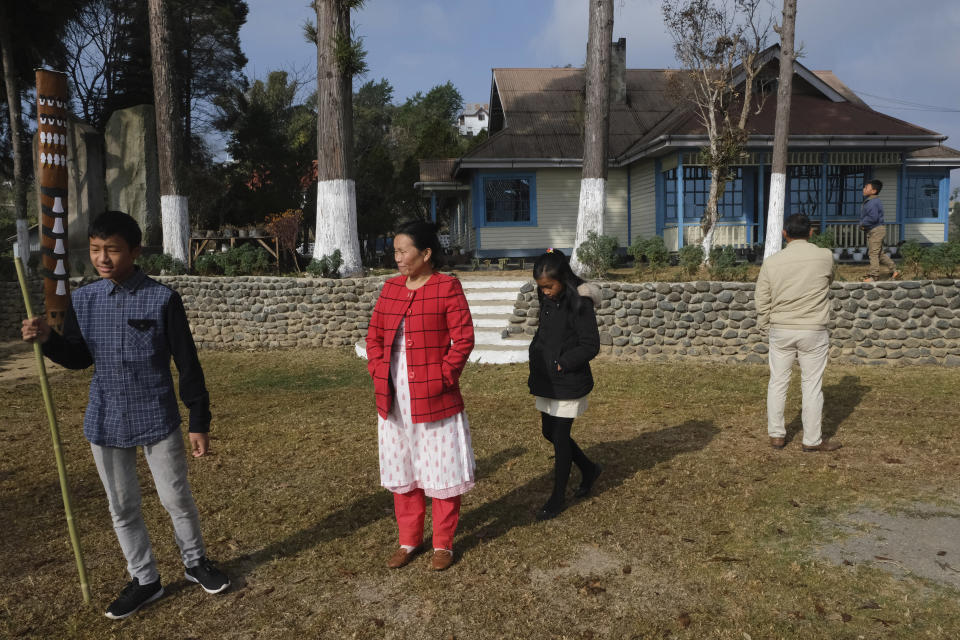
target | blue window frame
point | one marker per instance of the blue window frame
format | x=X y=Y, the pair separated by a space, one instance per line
x=922 y=196
x=803 y=193
x=507 y=200
x=696 y=192
x=845 y=190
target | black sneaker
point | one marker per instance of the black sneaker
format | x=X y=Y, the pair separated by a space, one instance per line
x=208 y=576
x=133 y=596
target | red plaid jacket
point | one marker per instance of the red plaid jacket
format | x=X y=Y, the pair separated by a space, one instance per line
x=438 y=330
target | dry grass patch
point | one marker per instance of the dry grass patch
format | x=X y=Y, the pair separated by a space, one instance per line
x=697 y=529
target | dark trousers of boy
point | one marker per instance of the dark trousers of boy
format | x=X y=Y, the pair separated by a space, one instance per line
x=167 y=460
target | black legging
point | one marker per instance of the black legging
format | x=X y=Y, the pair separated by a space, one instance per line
x=557 y=431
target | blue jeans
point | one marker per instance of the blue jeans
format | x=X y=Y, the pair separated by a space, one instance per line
x=168 y=466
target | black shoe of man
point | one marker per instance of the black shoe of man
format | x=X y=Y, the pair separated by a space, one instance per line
x=206 y=574
x=133 y=596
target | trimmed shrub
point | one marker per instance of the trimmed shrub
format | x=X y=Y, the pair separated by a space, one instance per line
x=651 y=253
x=691 y=257
x=327 y=266
x=598 y=254
x=724 y=265
x=161 y=264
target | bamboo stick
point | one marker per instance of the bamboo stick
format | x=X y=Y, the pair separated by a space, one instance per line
x=55 y=434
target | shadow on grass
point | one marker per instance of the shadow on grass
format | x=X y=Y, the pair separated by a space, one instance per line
x=839 y=402
x=621 y=460
x=343 y=522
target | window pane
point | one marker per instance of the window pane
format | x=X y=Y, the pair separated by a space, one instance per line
x=507 y=199
x=923 y=197
x=804 y=184
x=845 y=190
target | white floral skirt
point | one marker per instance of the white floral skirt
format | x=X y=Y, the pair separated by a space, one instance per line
x=434 y=456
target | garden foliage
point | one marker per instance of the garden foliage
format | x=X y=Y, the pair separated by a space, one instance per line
x=598 y=254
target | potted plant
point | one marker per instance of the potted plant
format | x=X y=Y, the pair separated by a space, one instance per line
x=858 y=253
x=243 y=232
x=229 y=231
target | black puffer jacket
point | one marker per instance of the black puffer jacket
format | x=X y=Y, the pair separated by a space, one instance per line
x=570 y=339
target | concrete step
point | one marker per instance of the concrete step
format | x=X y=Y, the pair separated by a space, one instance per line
x=503 y=309
x=484 y=295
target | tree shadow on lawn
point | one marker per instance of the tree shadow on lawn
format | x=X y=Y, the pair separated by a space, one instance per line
x=345 y=521
x=621 y=460
x=839 y=402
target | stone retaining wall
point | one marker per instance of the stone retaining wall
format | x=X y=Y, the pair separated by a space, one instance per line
x=250 y=312
x=912 y=322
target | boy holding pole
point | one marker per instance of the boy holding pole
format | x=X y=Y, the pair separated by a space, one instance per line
x=128 y=326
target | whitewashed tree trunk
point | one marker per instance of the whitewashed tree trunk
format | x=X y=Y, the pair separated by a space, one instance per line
x=593 y=197
x=713 y=202
x=781 y=132
x=175 y=218
x=337 y=224
x=774 y=236
x=23 y=241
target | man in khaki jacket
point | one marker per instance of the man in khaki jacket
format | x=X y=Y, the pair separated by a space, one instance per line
x=793 y=304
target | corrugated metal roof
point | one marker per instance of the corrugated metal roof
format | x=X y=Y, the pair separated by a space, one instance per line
x=437 y=170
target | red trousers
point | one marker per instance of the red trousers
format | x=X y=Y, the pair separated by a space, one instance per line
x=411 y=508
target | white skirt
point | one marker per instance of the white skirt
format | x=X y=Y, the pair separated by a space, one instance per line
x=434 y=456
x=562 y=408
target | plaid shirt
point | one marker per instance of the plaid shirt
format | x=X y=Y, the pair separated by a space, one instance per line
x=129 y=331
x=438 y=330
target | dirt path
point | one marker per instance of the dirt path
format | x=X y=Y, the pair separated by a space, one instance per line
x=17 y=362
x=923 y=540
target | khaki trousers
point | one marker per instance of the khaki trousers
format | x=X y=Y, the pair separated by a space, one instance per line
x=875 y=250
x=810 y=348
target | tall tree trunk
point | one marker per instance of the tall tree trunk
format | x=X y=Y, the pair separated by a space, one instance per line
x=596 y=126
x=13 y=105
x=711 y=213
x=174 y=212
x=336 y=191
x=778 y=174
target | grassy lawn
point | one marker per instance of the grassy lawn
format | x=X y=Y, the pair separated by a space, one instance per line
x=697 y=529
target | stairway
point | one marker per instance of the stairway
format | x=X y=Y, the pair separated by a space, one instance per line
x=491 y=305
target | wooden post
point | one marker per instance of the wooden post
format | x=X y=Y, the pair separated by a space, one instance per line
x=781 y=133
x=52 y=176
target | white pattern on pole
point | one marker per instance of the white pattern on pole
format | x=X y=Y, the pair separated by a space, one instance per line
x=337 y=224
x=23 y=240
x=772 y=241
x=593 y=198
x=175 y=218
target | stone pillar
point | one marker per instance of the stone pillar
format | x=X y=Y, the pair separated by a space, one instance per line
x=133 y=183
x=87 y=190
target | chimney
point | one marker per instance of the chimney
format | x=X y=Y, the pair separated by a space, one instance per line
x=618 y=72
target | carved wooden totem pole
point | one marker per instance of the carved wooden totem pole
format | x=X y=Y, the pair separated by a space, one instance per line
x=52 y=176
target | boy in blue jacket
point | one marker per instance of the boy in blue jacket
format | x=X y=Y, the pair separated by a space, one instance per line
x=128 y=326
x=871 y=221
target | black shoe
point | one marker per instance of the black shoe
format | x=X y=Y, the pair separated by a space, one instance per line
x=133 y=596
x=587 y=483
x=550 y=510
x=207 y=576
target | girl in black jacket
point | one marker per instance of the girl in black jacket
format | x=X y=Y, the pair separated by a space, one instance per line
x=566 y=340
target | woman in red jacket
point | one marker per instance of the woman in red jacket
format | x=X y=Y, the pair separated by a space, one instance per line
x=418 y=342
